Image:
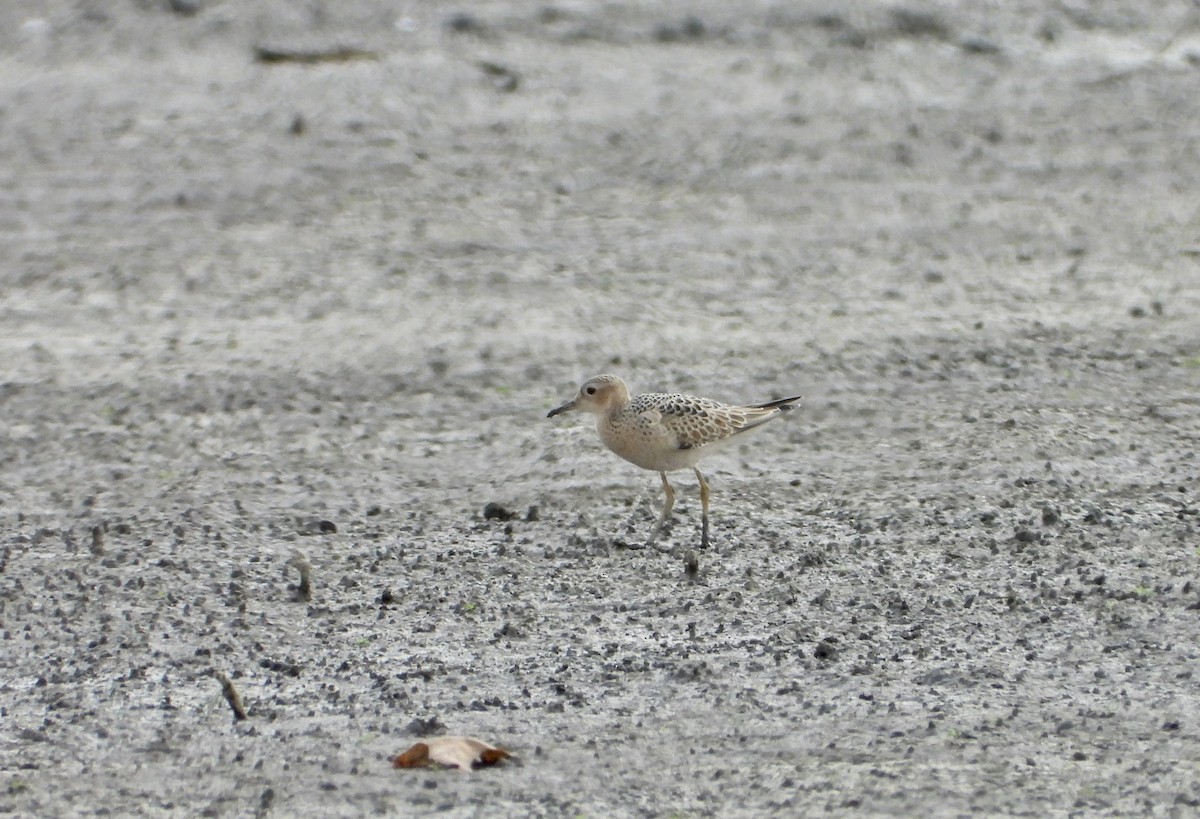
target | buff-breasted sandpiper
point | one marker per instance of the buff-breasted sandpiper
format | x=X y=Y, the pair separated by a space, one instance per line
x=666 y=432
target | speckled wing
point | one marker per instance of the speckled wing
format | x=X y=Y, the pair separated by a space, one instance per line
x=695 y=422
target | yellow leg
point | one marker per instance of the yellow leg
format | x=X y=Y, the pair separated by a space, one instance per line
x=668 y=504
x=703 y=510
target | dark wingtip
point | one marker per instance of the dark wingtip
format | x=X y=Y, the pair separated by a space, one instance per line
x=782 y=404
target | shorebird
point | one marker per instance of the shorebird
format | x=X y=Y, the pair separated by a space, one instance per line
x=665 y=432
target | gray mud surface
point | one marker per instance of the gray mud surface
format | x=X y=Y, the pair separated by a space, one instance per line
x=254 y=311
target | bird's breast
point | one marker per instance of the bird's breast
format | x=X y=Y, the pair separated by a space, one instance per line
x=645 y=444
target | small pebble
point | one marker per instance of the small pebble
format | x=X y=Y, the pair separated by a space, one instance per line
x=691 y=565
x=494 y=511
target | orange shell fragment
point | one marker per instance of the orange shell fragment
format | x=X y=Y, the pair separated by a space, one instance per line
x=464 y=753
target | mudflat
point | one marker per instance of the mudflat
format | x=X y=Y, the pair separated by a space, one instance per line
x=289 y=288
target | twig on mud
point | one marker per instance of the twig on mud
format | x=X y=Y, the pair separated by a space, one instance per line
x=231 y=695
x=301 y=564
x=334 y=54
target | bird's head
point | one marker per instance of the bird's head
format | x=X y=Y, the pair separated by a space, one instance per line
x=598 y=394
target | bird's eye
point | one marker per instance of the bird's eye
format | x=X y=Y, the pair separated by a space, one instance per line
x=590 y=390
